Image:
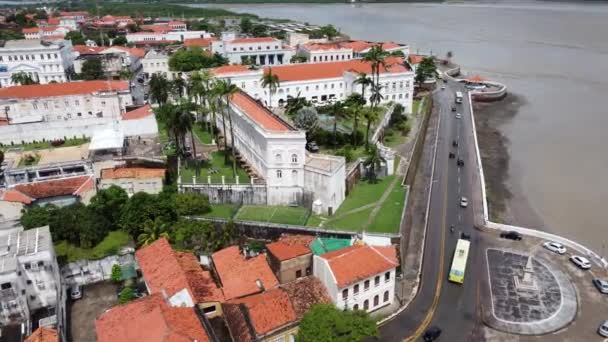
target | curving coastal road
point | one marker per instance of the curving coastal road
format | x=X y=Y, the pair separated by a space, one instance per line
x=450 y=306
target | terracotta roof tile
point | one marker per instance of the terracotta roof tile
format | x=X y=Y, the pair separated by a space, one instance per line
x=253 y=40
x=53 y=21
x=132 y=172
x=43 y=334
x=62 y=89
x=14 y=196
x=312 y=71
x=229 y=69
x=133 y=51
x=172 y=271
x=55 y=187
x=138 y=113
x=361 y=46
x=415 y=59
x=87 y=50
x=325 y=46
x=150 y=319
x=238 y=275
x=355 y=263
x=201 y=42
x=290 y=246
x=30 y=30
x=258 y=113
x=237 y=322
x=306 y=292
x=267 y=311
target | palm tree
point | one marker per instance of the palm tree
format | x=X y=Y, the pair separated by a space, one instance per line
x=22 y=78
x=177 y=86
x=374 y=161
x=377 y=57
x=218 y=106
x=153 y=230
x=376 y=96
x=159 y=89
x=364 y=81
x=227 y=90
x=371 y=115
x=186 y=123
x=338 y=111
x=355 y=110
x=169 y=115
x=272 y=82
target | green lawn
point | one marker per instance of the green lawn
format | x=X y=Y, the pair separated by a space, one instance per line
x=214 y=168
x=274 y=214
x=223 y=211
x=108 y=246
x=364 y=193
x=394 y=137
x=353 y=222
x=203 y=134
x=39 y=145
x=415 y=105
x=388 y=219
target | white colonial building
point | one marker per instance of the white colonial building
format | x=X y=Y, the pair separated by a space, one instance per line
x=56 y=111
x=323 y=83
x=29 y=275
x=276 y=152
x=45 y=32
x=325 y=52
x=156 y=62
x=359 y=277
x=160 y=37
x=259 y=51
x=44 y=61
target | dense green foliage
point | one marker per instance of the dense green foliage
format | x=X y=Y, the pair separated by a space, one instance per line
x=193 y=58
x=191 y=203
x=92 y=69
x=143 y=207
x=75 y=37
x=201 y=236
x=326 y=323
x=151 y=9
x=116 y=275
x=126 y=295
x=425 y=70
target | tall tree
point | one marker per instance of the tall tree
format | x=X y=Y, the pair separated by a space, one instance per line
x=306 y=119
x=376 y=96
x=364 y=81
x=152 y=231
x=22 y=78
x=177 y=87
x=159 y=89
x=169 y=114
x=338 y=111
x=373 y=161
x=109 y=203
x=371 y=115
x=92 y=69
x=186 y=123
x=227 y=90
x=326 y=323
x=376 y=56
x=272 y=82
x=246 y=25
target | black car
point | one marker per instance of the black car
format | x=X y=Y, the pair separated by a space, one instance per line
x=431 y=334
x=460 y=162
x=452 y=155
x=454 y=143
x=312 y=146
x=512 y=235
x=453 y=108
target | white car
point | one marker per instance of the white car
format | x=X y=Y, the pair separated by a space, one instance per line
x=581 y=262
x=458 y=116
x=603 y=329
x=464 y=202
x=76 y=292
x=555 y=247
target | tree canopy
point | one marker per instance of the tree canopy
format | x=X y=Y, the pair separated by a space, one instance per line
x=201 y=236
x=193 y=58
x=142 y=207
x=326 y=323
x=191 y=203
x=92 y=69
x=75 y=37
x=426 y=69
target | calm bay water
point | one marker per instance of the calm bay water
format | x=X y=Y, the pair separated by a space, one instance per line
x=555 y=55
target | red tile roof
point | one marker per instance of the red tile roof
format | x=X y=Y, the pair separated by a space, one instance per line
x=306 y=292
x=201 y=42
x=87 y=50
x=52 y=188
x=150 y=319
x=14 y=196
x=172 y=271
x=290 y=246
x=62 y=89
x=132 y=172
x=138 y=113
x=229 y=69
x=238 y=275
x=356 y=262
x=312 y=71
x=415 y=59
x=253 y=40
x=325 y=46
x=133 y=51
x=176 y=23
x=73 y=13
x=258 y=113
x=43 y=334
x=360 y=45
x=30 y=30
x=267 y=311
x=53 y=21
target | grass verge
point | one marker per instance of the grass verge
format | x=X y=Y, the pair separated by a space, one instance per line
x=222 y=211
x=108 y=246
x=216 y=168
x=273 y=214
x=364 y=193
x=388 y=219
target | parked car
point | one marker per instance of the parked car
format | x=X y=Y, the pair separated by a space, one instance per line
x=76 y=292
x=602 y=285
x=581 y=262
x=512 y=235
x=442 y=87
x=453 y=108
x=312 y=146
x=460 y=162
x=464 y=202
x=431 y=334
x=454 y=143
x=555 y=247
x=458 y=116
x=603 y=329
x=452 y=155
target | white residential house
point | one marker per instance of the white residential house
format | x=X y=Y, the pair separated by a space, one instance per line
x=276 y=152
x=359 y=277
x=56 y=111
x=157 y=62
x=29 y=275
x=324 y=83
x=46 y=32
x=45 y=61
x=259 y=50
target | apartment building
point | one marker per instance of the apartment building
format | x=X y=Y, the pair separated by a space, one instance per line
x=44 y=61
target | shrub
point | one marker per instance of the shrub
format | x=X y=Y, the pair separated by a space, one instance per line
x=191 y=203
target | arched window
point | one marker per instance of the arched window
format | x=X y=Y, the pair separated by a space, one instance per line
x=366 y=305
x=294 y=175
x=277 y=157
x=279 y=174
x=376 y=300
x=385 y=296
x=345 y=294
x=356 y=307
x=294 y=158
x=377 y=281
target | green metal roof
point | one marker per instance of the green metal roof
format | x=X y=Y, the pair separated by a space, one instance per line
x=325 y=245
x=128 y=272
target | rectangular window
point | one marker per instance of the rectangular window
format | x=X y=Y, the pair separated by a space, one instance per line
x=6 y=286
x=298 y=273
x=345 y=294
x=46 y=105
x=377 y=281
x=387 y=276
x=356 y=289
x=366 y=285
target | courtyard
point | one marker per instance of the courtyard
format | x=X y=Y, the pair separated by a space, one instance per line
x=215 y=168
x=96 y=299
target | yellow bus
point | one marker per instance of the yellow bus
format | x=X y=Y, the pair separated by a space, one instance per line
x=459 y=263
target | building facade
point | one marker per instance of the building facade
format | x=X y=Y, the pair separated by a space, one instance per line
x=46 y=32
x=174 y=36
x=114 y=59
x=44 y=61
x=259 y=51
x=368 y=286
x=290 y=257
x=133 y=179
x=57 y=111
x=156 y=62
x=29 y=274
x=328 y=52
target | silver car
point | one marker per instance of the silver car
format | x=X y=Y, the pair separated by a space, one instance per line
x=581 y=262
x=555 y=247
x=76 y=292
x=601 y=285
x=603 y=329
x=464 y=202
